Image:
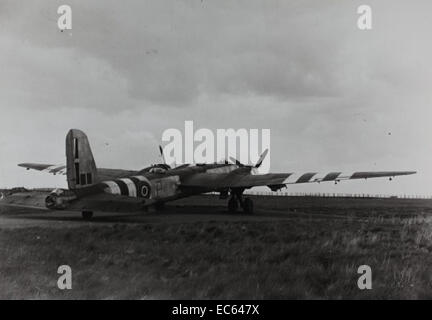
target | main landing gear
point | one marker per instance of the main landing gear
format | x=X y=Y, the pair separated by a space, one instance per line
x=237 y=199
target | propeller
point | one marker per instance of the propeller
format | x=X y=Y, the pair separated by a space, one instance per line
x=257 y=165
x=165 y=165
x=162 y=154
x=261 y=158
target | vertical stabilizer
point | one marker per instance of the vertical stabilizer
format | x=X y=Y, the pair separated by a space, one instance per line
x=80 y=166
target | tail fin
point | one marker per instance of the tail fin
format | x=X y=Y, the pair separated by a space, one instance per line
x=80 y=166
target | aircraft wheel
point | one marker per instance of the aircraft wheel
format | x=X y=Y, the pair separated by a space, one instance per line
x=248 y=206
x=87 y=215
x=232 y=205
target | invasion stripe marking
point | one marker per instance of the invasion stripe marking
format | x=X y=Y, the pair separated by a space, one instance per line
x=132 y=190
x=123 y=187
x=54 y=168
x=136 y=181
x=318 y=177
x=331 y=176
x=345 y=175
x=112 y=186
x=305 y=177
x=292 y=178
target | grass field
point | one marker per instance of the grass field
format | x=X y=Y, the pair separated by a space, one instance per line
x=312 y=254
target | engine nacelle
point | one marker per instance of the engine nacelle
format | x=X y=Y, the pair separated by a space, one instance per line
x=59 y=199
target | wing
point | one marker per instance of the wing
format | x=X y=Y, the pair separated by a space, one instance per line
x=277 y=181
x=51 y=168
x=103 y=173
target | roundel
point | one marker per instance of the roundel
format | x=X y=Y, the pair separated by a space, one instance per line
x=145 y=190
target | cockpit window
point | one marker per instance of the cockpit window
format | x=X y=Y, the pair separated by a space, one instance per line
x=157 y=170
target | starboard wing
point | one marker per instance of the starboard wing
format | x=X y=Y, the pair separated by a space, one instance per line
x=278 y=180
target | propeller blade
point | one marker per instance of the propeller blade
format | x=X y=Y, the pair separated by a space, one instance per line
x=261 y=159
x=258 y=164
x=173 y=164
x=162 y=154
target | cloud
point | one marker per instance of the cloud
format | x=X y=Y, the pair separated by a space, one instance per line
x=171 y=53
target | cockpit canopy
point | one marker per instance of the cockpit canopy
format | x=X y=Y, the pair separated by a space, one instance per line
x=156 y=168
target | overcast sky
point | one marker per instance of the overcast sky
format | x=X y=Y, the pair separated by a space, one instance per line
x=335 y=98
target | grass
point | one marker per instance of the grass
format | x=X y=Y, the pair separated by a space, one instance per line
x=310 y=257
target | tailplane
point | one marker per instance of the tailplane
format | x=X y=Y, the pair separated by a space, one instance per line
x=81 y=169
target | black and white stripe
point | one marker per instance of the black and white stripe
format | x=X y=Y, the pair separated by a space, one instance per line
x=54 y=169
x=319 y=177
x=131 y=187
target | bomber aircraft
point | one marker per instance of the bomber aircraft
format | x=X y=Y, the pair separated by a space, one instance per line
x=159 y=183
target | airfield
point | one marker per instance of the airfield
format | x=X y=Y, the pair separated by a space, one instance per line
x=290 y=248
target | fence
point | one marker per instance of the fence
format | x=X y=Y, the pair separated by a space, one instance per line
x=334 y=195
